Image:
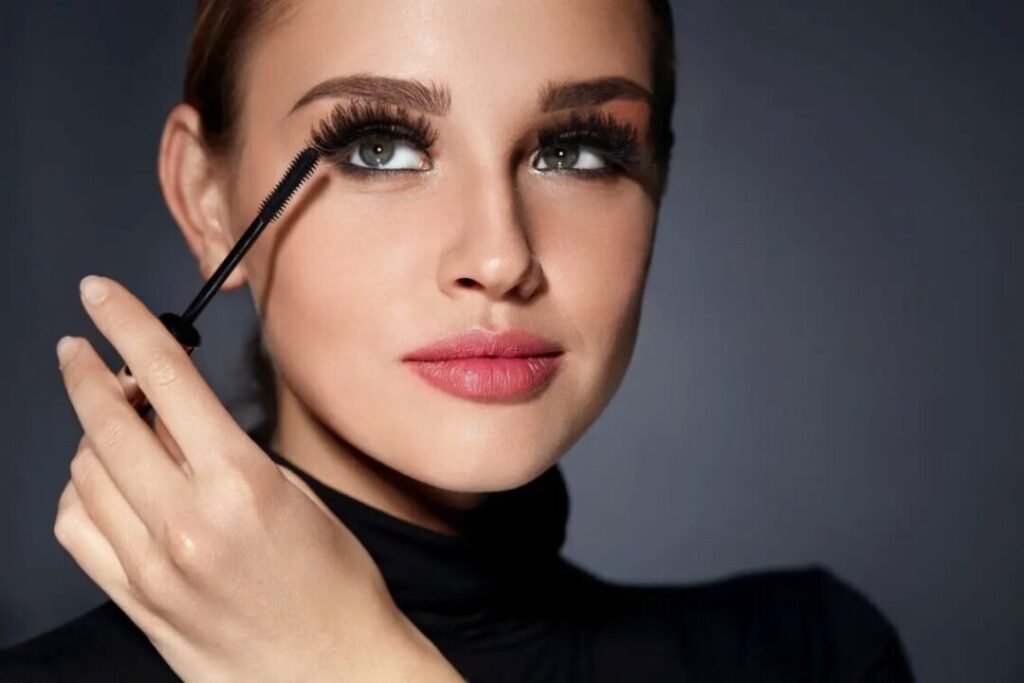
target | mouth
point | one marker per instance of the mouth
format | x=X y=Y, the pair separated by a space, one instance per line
x=490 y=378
x=485 y=366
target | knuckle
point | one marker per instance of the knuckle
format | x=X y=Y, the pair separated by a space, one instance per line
x=227 y=509
x=81 y=467
x=110 y=431
x=237 y=497
x=67 y=526
x=60 y=528
x=151 y=579
x=66 y=496
x=185 y=547
x=164 y=368
x=233 y=485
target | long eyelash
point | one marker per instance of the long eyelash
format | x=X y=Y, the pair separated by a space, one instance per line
x=348 y=122
x=618 y=141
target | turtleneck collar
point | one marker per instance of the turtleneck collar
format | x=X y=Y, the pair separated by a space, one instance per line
x=482 y=581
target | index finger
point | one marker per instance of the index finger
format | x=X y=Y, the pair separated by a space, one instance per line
x=191 y=411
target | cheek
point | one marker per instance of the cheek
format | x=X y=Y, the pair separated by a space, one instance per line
x=341 y=296
x=595 y=254
x=336 y=278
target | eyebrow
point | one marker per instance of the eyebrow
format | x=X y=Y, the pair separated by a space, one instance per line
x=436 y=99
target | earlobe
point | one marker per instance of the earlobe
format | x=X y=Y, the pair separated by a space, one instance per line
x=193 y=186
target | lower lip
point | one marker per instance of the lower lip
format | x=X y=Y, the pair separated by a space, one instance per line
x=486 y=379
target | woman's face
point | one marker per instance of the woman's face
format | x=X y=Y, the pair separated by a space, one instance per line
x=477 y=232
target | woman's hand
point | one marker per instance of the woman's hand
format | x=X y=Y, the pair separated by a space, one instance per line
x=231 y=565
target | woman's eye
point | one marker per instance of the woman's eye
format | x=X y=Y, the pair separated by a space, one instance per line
x=569 y=156
x=387 y=153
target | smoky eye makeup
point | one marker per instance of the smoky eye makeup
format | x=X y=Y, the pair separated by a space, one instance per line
x=363 y=137
x=371 y=131
x=615 y=141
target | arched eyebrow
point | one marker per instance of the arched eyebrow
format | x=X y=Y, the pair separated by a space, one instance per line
x=435 y=99
x=568 y=94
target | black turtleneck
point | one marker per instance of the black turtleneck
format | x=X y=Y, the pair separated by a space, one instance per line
x=502 y=604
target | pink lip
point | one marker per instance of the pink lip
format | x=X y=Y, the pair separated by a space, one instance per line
x=485 y=366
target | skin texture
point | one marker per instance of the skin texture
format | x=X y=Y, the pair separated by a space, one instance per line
x=191 y=553
x=360 y=272
x=186 y=523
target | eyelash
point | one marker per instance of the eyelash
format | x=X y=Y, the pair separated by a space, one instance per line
x=350 y=123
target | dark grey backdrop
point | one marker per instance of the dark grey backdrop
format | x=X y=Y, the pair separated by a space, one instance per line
x=830 y=364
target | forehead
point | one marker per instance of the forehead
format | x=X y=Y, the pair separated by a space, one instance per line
x=489 y=53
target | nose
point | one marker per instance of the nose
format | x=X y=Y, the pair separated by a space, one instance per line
x=490 y=251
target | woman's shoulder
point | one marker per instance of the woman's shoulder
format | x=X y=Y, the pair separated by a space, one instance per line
x=102 y=644
x=802 y=623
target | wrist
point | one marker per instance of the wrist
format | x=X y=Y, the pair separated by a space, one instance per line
x=393 y=650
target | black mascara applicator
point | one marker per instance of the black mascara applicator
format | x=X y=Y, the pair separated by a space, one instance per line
x=182 y=326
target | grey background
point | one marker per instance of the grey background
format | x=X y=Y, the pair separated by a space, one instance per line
x=830 y=363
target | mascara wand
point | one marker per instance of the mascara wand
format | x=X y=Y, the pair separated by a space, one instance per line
x=181 y=326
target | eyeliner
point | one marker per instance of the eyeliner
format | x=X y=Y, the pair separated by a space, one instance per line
x=182 y=326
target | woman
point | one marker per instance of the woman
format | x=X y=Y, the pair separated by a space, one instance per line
x=450 y=303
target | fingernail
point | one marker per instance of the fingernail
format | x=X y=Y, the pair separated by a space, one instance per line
x=66 y=348
x=93 y=289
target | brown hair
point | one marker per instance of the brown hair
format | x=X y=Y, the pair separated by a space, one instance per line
x=222 y=32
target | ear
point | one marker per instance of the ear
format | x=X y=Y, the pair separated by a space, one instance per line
x=194 y=186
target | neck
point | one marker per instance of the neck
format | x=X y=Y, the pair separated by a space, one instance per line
x=305 y=440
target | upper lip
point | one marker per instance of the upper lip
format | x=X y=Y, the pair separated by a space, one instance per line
x=481 y=343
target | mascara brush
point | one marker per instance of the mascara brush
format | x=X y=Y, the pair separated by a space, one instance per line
x=182 y=326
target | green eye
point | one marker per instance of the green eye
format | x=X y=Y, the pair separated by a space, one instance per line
x=567 y=156
x=378 y=151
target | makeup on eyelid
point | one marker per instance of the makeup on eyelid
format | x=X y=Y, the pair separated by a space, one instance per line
x=350 y=125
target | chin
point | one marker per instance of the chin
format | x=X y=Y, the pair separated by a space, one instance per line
x=476 y=468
